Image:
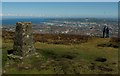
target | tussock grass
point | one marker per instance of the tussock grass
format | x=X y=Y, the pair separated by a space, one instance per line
x=65 y=59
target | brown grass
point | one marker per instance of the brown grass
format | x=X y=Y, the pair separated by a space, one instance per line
x=52 y=38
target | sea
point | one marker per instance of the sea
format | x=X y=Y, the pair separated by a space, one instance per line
x=12 y=21
x=38 y=20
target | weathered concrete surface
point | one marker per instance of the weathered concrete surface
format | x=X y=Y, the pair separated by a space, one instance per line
x=23 y=40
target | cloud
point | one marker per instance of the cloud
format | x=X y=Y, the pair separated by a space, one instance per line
x=1 y=14
x=30 y=15
x=5 y=14
x=24 y=15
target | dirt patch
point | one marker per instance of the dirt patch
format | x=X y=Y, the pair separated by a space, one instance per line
x=99 y=59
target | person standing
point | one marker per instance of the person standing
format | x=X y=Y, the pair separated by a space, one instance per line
x=105 y=32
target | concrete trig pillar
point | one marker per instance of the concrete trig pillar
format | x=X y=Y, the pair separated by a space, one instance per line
x=23 y=41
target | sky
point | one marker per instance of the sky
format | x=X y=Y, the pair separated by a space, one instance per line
x=60 y=0
x=60 y=9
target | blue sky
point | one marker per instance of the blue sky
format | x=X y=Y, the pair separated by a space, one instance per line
x=59 y=0
x=61 y=9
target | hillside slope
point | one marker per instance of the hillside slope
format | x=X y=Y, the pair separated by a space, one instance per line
x=65 y=59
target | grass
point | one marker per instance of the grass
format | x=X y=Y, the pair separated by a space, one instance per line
x=0 y=54
x=65 y=59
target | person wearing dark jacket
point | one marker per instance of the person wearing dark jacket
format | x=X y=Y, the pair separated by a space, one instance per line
x=105 y=32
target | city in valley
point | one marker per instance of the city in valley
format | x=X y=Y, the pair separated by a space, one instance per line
x=79 y=26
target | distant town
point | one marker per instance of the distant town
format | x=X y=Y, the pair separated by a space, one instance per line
x=79 y=26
